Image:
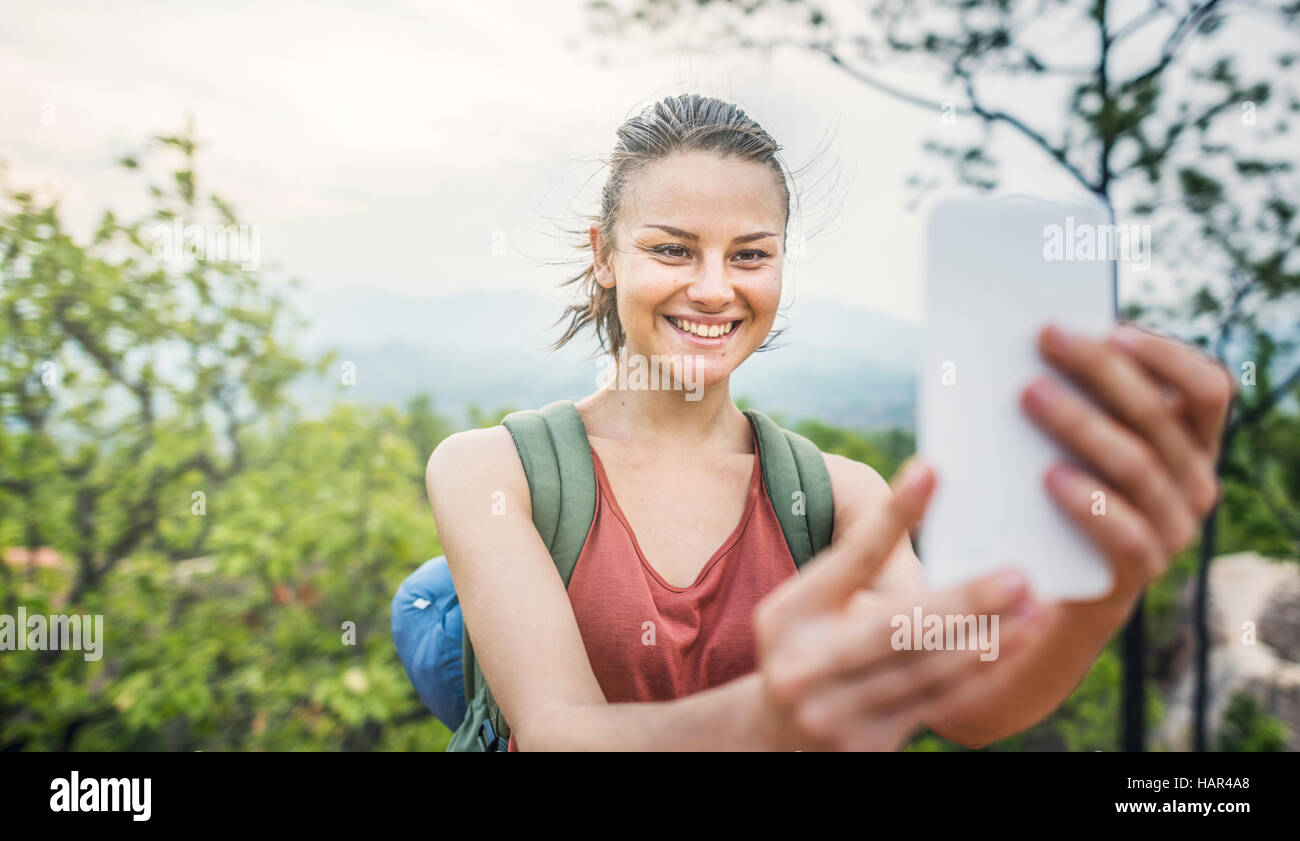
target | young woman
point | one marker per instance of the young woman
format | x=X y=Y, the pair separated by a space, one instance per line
x=687 y=255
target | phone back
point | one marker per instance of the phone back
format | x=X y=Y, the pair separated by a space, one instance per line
x=996 y=271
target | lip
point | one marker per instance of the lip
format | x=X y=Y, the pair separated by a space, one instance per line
x=699 y=341
x=704 y=319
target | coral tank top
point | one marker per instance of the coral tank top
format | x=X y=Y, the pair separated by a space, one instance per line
x=650 y=641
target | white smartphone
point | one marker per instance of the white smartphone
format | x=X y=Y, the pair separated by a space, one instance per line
x=996 y=271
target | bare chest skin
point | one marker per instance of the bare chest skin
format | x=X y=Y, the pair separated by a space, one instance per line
x=682 y=506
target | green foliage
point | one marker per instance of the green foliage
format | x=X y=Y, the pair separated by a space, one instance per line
x=1261 y=507
x=243 y=559
x=482 y=419
x=884 y=450
x=1246 y=727
x=244 y=647
x=423 y=428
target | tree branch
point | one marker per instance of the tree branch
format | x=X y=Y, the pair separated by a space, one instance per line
x=1258 y=410
x=885 y=87
x=1056 y=152
x=1158 y=8
x=1172 y=43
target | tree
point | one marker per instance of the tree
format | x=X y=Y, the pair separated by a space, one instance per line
x=242 y=560
x=1108 y=122
x=124 y=374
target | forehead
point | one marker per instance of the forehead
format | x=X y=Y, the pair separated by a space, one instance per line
x=703 y=190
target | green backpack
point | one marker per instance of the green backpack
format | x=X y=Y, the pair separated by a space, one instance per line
x=552 y=444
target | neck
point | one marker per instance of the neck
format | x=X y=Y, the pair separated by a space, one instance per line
x=692 y=416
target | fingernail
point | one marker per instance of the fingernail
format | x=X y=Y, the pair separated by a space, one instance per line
x=1040 y=394
x=1056 y=340
x=911 y=476
x=1012 y=584
x=1059 y=475
x=1027 y=610
x=1126 y=336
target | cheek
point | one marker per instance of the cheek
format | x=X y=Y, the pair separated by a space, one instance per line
x=764 y=297
x=639 y=293
x=635 y=314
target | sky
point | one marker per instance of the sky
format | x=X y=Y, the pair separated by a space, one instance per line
x=391 y=144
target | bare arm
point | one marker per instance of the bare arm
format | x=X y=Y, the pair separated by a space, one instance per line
x=523 y=629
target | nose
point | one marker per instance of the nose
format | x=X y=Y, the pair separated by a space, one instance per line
x=711 y=288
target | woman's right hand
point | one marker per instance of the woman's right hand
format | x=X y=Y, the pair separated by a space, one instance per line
x=830 y=677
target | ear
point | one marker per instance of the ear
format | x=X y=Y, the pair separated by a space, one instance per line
x=604 y=274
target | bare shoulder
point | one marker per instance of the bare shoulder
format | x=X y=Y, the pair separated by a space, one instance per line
x=860 y=494
x=474 y=445
x=473 y=460
x=854 y=485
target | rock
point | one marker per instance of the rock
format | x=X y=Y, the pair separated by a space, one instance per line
x=1279 y=625
x=1254 y=624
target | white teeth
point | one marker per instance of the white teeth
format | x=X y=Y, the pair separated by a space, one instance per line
x=706 y=331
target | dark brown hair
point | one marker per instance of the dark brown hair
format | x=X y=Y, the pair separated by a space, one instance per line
x=676 y=124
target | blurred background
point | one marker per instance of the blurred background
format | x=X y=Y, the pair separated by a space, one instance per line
x=221 y=450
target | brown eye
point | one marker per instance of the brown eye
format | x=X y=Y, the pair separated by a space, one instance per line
x=756 y=254
x=664 y=249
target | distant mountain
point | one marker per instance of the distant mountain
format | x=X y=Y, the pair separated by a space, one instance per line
x=843 y=365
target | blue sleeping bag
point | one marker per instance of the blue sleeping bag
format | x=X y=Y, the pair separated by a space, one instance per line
x=427 y=627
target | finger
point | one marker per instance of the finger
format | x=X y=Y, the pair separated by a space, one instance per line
x=864 y=636
x=876 y=735
x=1174 y=400
x=996 y=592
x=820 y=651
x=877 y=727
x=914 y=677
x=829 y=580
x=1207 y=384
x=881 y=733
x=1117 y=381
x=893 y=730
x=1117 y=454
x=969 y=648
x=1118 y=530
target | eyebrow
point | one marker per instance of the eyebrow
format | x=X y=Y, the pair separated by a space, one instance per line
x=678 y=232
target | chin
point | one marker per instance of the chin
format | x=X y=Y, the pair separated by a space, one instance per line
x=694 y=370
x=712 y=372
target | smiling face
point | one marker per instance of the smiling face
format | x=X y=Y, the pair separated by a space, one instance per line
x=697 y=260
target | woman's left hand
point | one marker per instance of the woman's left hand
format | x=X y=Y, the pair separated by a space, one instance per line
x=1151 y=445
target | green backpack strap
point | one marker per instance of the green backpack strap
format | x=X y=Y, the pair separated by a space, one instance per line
x=798 y=486
x=553 y=446
x=556 y=455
